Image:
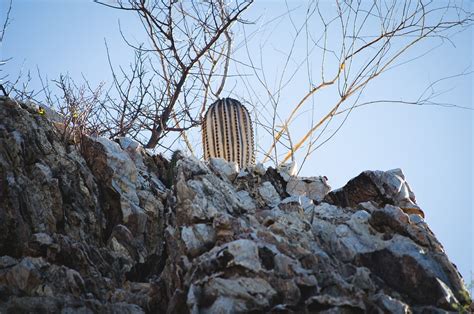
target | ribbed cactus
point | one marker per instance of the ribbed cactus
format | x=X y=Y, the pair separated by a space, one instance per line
x=227 y=132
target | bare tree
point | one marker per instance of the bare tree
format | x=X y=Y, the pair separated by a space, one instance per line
x=354 y=44
x=3 y=30
x=182 y=66
x=78 y=109
x=190 y=54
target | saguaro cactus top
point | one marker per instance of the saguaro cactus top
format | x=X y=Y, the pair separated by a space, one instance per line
x=227 y=132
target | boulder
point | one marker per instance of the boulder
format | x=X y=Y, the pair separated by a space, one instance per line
x=380 y=187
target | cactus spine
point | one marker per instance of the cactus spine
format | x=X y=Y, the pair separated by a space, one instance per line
x=227 y=132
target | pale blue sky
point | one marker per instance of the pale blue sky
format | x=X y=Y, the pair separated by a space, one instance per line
x=433 y=145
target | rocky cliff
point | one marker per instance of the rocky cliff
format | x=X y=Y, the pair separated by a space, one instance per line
x=109 y=228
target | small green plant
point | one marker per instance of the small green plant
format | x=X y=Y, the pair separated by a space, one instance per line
x=465 y=298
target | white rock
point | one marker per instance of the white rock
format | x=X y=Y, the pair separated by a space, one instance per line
x=227 y=169
x=342 y=230
x=314 y=188
x=327 y=211
x=206 y=196
x=305 y=202
x=288 y=170
x=134 y=150
x=240 y=294
x=124 y=176
x=242 y=173
x=128 y=144
x=197 y=238
x=292 y=199
x=269 y=194
x=392 y=305
x=42 y=238
x=368 y=206
x=361 y=216
x=245 y=201
x=245 y=254
x=260 y=169
x=192 y=166
x=393 y=185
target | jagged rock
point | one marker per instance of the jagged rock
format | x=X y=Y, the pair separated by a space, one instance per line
x=198 y=238
x=107 y=228
x=315 y=188
x=395 y=253
x=390 y=305
x=259 y=169
x=296 y=203
x=241 y=294
x=105 y=157
x=52 y=209
x=288 y=170
x=202 y=199
x=122 y=242
x=133 y=194
x=268 y=193
x=381 y=187
x=224 y=168
x=322 y=303
x=45 y=186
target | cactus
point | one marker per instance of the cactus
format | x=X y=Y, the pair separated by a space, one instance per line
x=227 y=132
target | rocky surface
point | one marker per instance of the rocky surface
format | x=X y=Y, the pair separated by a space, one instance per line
x=108 y=228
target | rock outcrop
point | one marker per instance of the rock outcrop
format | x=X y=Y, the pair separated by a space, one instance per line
x=109 y=228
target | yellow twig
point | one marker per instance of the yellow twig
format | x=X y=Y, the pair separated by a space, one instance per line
x=297 y=108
